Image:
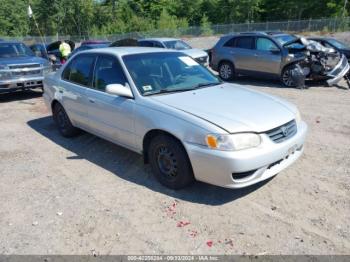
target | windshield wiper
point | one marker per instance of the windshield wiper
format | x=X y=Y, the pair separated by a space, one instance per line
x=202 y=85
x=177 y=90
x=167 y=91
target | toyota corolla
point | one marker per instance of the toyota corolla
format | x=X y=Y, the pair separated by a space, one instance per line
x=187 y=124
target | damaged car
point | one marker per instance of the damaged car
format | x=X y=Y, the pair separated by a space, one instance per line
x=290 y=58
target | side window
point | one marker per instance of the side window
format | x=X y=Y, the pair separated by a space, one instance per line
x=79 y=70
x=146 y=44
x=264 y=44
x=245 y=42
x=157 y=44
x=230 y=43
x=108 y=71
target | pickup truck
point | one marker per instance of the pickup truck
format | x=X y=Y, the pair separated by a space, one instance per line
x=20 y=69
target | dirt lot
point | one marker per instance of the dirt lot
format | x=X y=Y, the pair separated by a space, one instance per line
x=88 y=196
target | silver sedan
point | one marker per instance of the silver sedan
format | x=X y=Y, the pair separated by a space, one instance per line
x=187 y=124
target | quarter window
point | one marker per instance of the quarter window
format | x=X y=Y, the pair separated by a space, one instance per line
x=264 y=44
x=108 y=71
x=230 y=43
x=79 y=70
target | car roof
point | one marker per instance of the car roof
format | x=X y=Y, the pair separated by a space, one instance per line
x=121 y=51
x=259 y=33
x=160 y=39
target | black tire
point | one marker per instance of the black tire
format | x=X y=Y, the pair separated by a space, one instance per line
x=226 y=71
x=63 y=122
x=169 y=162
x=286 y=76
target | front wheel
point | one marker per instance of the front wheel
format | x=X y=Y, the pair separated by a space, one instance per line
x=63 y=122
x=170 y=163
x=287 y=77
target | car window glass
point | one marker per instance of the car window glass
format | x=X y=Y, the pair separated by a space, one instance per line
x=108 y=71
x=157 y=44
x=264 y=44
x=78 y=71
x=146 y=44
x=245 y=42
x=155 y=72
x=230 y=43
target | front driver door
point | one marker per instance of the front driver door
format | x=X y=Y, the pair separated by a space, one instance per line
x=268 y=56
x=110 y=116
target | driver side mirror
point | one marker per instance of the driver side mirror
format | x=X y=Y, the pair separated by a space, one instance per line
x=119 y=90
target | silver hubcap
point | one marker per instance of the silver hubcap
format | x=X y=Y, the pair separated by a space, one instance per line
x=287 y=78
x=225 y=71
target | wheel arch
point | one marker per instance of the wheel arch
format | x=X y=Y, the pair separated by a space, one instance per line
x=152 y=134
x=227 y=61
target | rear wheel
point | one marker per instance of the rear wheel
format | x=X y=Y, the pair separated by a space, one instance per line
x=63 y=122
x=170 y=163
x=226 y=71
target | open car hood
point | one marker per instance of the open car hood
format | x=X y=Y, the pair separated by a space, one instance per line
x=310 y=45
x=56 y=45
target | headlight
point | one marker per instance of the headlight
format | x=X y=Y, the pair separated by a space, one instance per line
x=4 y=73
x=47 y=68
x=297 y=117
x=233 y=142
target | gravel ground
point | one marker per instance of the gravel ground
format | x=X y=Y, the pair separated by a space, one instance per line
x=87 y=196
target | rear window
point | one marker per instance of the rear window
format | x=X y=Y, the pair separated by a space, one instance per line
x=246 y=42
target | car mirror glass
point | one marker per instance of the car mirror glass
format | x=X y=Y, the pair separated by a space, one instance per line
x=119 y=90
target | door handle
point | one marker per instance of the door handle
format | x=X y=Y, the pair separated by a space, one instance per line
x=91 y=100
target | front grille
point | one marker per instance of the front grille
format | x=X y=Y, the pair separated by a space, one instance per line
x=27 y=73
x=24 y=66
x=202 y=59
x=284 y=132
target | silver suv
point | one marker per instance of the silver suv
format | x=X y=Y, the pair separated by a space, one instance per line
x=276 y=55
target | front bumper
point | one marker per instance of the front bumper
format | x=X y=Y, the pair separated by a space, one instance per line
x=22 y=83
x=219 y=167
x=339 y=71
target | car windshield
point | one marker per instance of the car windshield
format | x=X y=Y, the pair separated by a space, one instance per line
x=167 y=72
x=338 y=44
x=177 y=45
x=14 y=50
x=282 y=39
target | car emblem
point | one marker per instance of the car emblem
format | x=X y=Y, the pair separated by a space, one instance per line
x=284 y=131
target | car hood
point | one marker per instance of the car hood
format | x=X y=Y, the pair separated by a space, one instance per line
x=194 y=52
x=22 y=60
x=232 y=108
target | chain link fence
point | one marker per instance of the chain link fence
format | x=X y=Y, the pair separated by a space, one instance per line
x=296 y=26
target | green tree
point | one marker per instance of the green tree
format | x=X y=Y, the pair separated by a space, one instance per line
x=14 y=20
x=206 y=26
